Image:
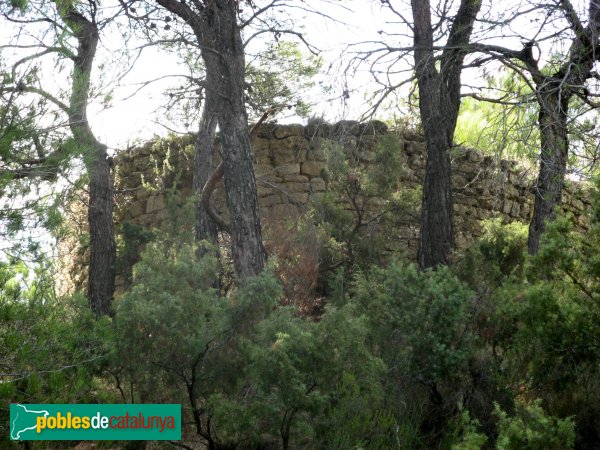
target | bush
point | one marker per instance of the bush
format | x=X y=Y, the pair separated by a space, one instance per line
x=467 y=434
x=496 y=257
x=419 y=325
x=550 y=325
x=532 y=429
x=250 y=372
x=53 y=350
x=365 y=207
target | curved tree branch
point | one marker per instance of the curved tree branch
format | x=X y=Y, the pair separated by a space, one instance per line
x=217 y=175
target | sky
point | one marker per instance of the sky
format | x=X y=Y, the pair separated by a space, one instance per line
x=126 y=121
x=131 y=118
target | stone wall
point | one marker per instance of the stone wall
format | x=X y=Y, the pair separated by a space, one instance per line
x=289 y=160
x=289 y=165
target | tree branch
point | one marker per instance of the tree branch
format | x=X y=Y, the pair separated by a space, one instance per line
x=217 y=175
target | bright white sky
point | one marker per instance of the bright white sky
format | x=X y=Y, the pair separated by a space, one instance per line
x=133 y=119
x=129 y=119
x=359 y=20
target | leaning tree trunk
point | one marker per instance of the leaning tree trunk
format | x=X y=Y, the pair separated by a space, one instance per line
x=101 y=274
x=554 y=153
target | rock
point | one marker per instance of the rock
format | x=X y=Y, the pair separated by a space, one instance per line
x=317 y=185
x=155 y=203
x=295 y=187
x=346 y=127
x=299 y=197
x=288 y=169
x=312 y=168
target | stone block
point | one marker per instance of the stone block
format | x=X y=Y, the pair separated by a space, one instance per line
x=288 y=169
x=299 y=197
x=264 y=170
x=270 y=200
x=283 y=211
x=263 y=158
x=459 y=182
x=283 y=131
x=510 y=191
x=312 y=168
x=136 y=209
x=415 y=148
x=515 y=210
x=284 y=156
x=318 y=185
x=147 y=219
x=260 y=144
x=295 y=178
x=416 y=161
x=474 y=156
x=578 y=204
x=263 y=189
x=295 y=187
x=155 y=203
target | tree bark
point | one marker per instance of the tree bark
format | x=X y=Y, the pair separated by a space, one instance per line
x=101 y=274
x=439 y=102
x=206 y=229
x=214 y=23
x=229 y=69
x=554 y=104
x=553 y=94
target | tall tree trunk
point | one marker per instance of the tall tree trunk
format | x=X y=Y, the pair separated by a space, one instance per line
x=101 y=275
x=103 y=253
x=437 y=235
x=553 y=94
x=439 y=102
x=214 y=23
x=229 y=69
x=554 y=102
x=205 y=228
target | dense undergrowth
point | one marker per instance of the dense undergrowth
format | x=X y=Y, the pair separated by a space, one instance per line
x=498 y=351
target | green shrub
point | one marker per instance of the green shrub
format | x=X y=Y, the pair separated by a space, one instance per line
x=467 y=434
x=550 y=326
x=497 y=256
x=365 y=206
x=249 y=372
x=419 y=325
x=532 y=429
x=52 y=350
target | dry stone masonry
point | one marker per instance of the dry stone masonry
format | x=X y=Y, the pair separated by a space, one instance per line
x=289 y=165
x=290 y=161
